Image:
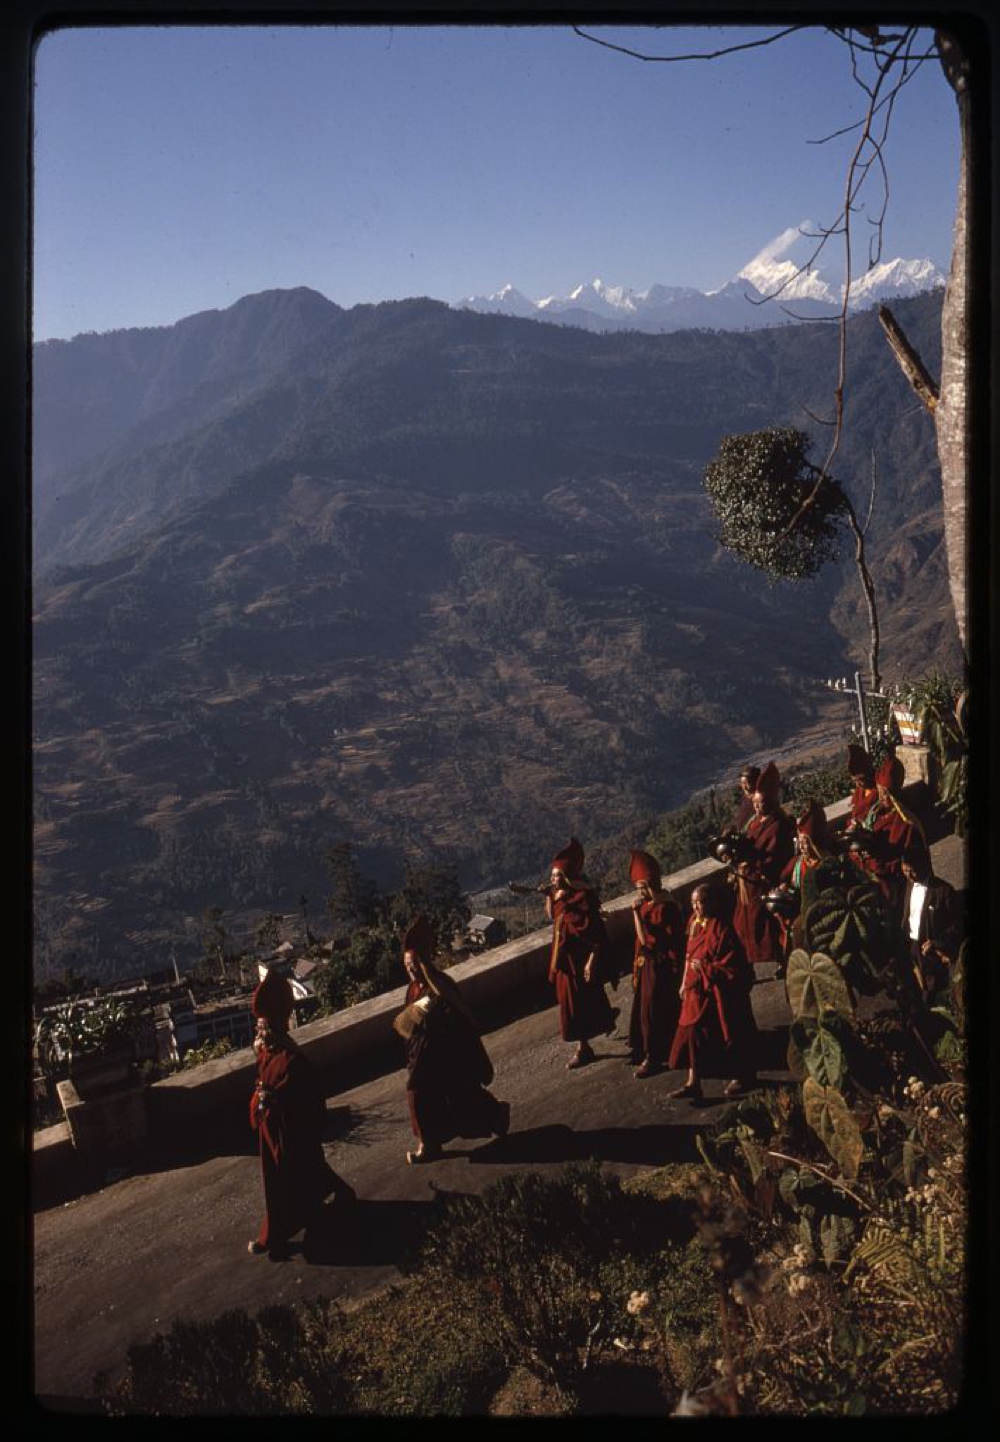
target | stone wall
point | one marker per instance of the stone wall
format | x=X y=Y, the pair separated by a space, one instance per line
x=358 y=1043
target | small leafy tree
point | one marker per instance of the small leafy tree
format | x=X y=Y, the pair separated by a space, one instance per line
x=268 y=931
x=214 y=937
x=353 y=899
x=758 y=485
x=436 y=892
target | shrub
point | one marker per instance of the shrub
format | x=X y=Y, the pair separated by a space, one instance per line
x=554 y=1261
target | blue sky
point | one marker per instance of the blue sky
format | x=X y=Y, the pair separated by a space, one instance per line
x=177 y=169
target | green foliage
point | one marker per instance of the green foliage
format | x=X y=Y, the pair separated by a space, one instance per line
x=850 y=922
x=681 y=837
x=208 y=1051
x=824 y=784
x=815 y=984
x=87 y=1027
x=284 y=1361
x=833 y=1122
x=353 y=899
x=436 y=891
x=369 y=965
x=834 y=873
x=268 y=931
x=555 y=1260
x=940 y=703
x=756 y=484
x=824 y=1057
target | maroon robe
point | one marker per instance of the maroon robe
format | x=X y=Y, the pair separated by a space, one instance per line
x=656 y=976
x=773 y=837
x=743 y=814
x=578 y=932
x=863 y=798
x=716 y=1028
x=448 y=1072
x=288 y=1113
x=896 y=830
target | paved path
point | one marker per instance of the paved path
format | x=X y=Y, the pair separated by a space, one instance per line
x=119 y=1265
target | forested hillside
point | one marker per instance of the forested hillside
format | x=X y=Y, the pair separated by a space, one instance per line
x=440 y=584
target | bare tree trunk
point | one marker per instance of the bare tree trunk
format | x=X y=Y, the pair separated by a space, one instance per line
x=868 y=587
x=952 y=414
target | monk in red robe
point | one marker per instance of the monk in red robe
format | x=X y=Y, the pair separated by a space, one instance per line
x=288 y=1113
x=893 y=829
x=580 y=961
x=814 y=843
x=772 y=835
x=447 y=1067
x=656 y=968
x=864 y=793
x=743 y=814
x=716 y=1030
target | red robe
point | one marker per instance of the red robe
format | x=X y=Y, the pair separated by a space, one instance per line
x=773 y=838
x=288 y=1113
x=656 y=976
x=743 y=814
x=863 y=798
x=716 y=1028
x=578 y=931
x=896 y=830
x=448 y=1071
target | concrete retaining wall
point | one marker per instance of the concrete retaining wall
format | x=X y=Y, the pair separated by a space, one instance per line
x=358 y=1043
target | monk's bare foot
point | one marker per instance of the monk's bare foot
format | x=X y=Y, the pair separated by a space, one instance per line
x=689 y=1091
x=255 y=1249
x=423 y=1154
x=584 y=1054
x=648 y=1068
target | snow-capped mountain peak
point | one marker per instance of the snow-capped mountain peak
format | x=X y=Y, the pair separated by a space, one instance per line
x=787 y=275
x=895 y=278
x=784 y=268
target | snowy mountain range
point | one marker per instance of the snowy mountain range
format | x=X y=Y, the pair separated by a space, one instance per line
x=781 y=282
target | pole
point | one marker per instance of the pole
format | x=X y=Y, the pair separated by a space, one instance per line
x=862 y=714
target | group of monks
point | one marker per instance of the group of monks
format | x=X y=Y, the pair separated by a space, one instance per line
x=691 y=978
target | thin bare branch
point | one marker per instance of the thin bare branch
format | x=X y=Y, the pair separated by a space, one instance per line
x=823 y=1172
x=811 y=319
x=871 y=498
x=851 y=192
x=917 y=61
x=846 y=38
x=707 y=55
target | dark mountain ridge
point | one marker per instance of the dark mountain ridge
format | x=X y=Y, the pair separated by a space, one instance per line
x=439 y=583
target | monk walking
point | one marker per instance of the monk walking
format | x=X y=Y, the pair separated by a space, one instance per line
x=657 y=966
x=288 y=1113
x=580 y=960
x=716 y=1032
x=772 y=835
x=447 y=1067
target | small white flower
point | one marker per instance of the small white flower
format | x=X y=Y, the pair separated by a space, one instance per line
x=690 y=1406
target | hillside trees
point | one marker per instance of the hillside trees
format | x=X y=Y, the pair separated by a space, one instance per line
x=757 y=485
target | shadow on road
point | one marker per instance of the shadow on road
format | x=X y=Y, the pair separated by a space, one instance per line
x=652 y=1145
x=366 y=1234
